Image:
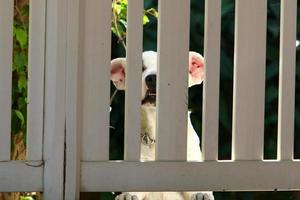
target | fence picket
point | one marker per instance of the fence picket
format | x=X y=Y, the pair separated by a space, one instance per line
x=54 y=118
x=6 y=45
x=36 y=60
x=286 y=103
x=73 y=117
x=95 y=44
x=134 y=48
x=173 y=44
x=211 y=81
x=249 y=79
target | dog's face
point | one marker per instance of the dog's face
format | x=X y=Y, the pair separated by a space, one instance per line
x=195 y=68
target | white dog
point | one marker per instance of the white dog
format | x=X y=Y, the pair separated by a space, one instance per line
x=148 y=120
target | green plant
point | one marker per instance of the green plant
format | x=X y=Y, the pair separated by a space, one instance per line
x=20 y=67
x=119 y=19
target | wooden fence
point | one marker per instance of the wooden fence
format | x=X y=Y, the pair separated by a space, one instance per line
x=69 y=92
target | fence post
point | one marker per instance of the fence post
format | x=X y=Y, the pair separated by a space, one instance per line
x=54 y=121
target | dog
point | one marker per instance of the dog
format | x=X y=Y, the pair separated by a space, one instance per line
x=195 y=69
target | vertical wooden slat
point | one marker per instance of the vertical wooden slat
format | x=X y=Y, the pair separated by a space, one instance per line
x=6 y=44
x=287 y=79
x=73 y=117
x=54 y=121
x=249 y=79
x=134 y=48
x=96 y=43
x=173 y=44
x=211 y=82
x=36 y=60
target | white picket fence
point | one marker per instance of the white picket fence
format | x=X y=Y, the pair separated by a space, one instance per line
x=69 y=92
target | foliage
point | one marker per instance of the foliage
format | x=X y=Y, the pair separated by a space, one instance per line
x=119 y=19
x=20 y=67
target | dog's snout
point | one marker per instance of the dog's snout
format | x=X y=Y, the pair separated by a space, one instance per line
x=151 y=81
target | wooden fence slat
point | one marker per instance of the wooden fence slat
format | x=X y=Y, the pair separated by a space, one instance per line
x=190 y=176
x=73 y=117
x=249 y=79
x=20 y=176
x=6 y=45
x=286 y=103
x=211 y=81
x=173 y=45
x=54 y=120
x=36 y=60
x=96 y=44
x=134 y=48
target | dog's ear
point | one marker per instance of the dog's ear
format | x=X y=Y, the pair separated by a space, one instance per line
x=118 y=72
x=196 y=68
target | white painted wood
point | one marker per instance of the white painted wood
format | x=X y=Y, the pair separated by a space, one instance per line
x=20 y=176
x=55 y=78
x=6 y=44
x=211 y=82
x=173 y=44
x=287 y=75
x=134 y=48
x=96 y=41
x=249 y=79
x=73 y=117
x=190 y=176
x=36 y=60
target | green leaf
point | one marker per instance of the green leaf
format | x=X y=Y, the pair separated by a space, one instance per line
x=22 y=83
x=26 y=198
x=117 y=8
x=152 y=12
x=123 y=22
x=145 y=19
x=22 y=37
x=20 y=117
x=25 y=10
x=19 y=61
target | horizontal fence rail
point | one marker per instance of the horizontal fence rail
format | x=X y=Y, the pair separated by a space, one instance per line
x=190 y=176
x=20 y=176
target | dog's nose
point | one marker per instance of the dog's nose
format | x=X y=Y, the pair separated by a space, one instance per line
x=151 y=81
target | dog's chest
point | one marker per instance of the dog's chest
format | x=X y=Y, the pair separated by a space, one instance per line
x=148 y=123
x=148 y=137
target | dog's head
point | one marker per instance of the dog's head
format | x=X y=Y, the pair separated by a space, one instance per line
x=149 y=67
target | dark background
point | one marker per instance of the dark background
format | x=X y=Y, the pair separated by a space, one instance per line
x=226 y=88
